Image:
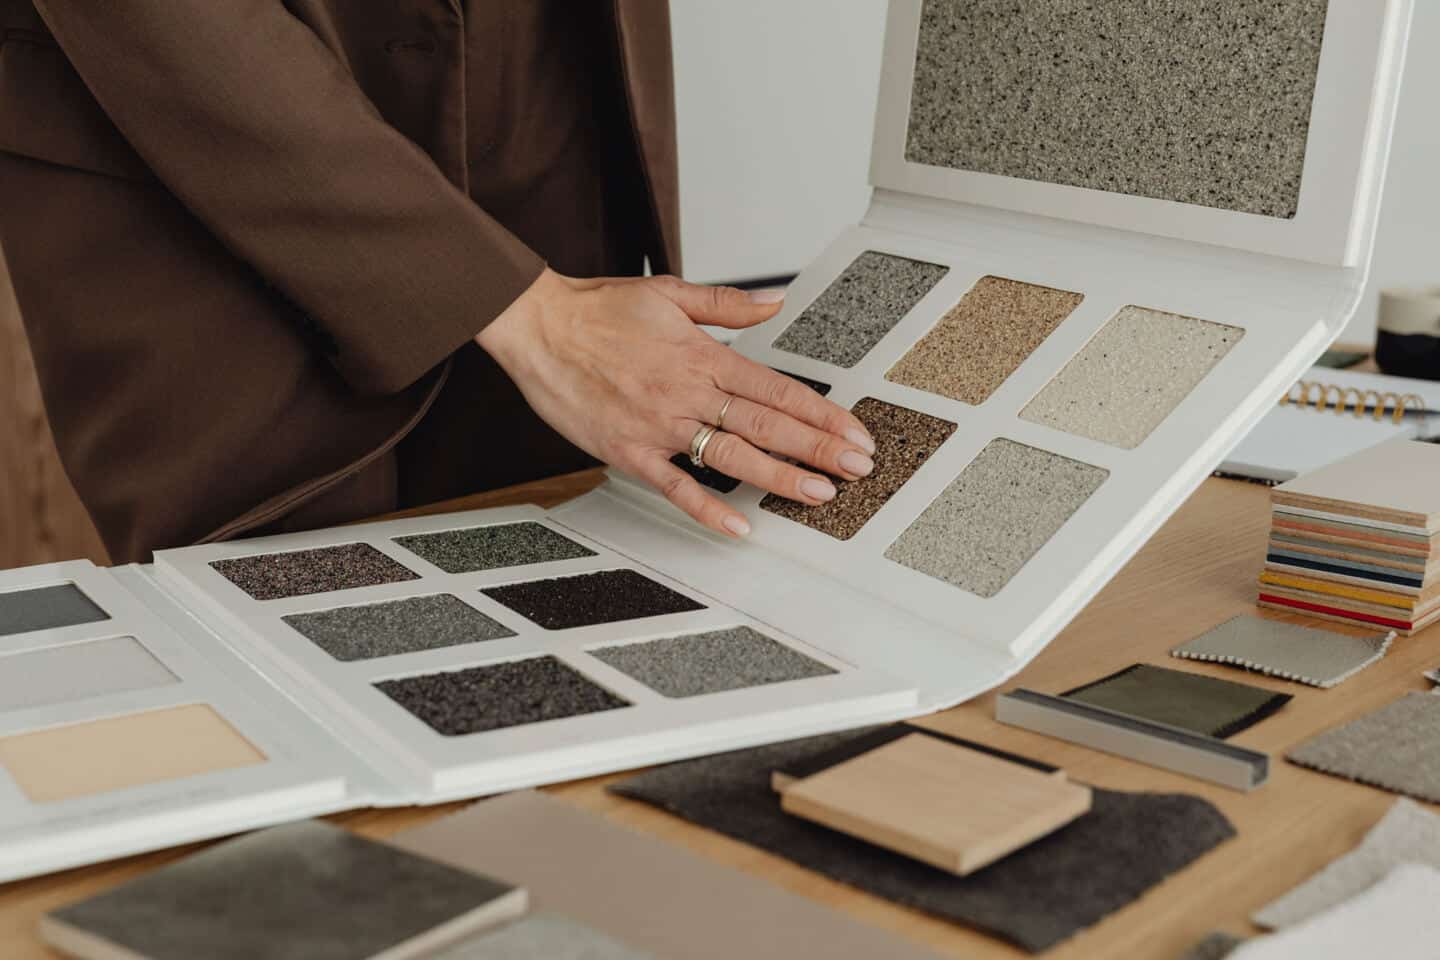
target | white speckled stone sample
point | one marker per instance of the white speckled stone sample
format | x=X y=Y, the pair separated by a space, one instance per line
x=995 y=516
x=859 y=307
x=394 y=627
x=713 y=662
x=1185 y=100
x=1131 y=375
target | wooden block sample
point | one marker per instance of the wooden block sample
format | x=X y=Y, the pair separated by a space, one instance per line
x=953 y=808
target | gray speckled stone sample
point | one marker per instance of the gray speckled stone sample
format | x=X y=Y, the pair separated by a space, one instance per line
x=46 y=608
x=859 y=307
x=1005 y=505
x=701 y=663
x=543 y=936
x=586 y=599
x=1200 y=103
x=499 y=695
x=493 y=547
x=394 y=627
x=1395 y=748
x=298 y=573
x=1131 y=374
x=76 y=671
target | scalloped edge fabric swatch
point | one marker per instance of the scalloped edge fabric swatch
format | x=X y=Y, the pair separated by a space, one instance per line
x=1396 y=748
x=1319 y=658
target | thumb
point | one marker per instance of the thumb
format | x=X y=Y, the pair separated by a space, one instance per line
x=722 y=306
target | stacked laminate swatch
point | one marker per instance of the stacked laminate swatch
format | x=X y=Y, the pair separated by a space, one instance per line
x=1357 y=541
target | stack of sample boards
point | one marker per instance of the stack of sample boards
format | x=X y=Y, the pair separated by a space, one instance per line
x=1356 y=541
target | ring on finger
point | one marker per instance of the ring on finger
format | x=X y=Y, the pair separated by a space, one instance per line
x=699 y=442
x=720 y=420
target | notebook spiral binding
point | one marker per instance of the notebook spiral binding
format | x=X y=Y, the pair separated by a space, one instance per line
x=1321 y=396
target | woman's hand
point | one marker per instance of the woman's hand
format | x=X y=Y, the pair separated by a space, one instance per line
x=619 y=368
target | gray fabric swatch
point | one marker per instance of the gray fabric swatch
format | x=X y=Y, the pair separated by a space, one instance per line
x=46 y=608
x=493 y=547
x=1320 y=658
x=1396 y=748
x=542 y=936
x=1034 y=898
x=712 y=662
x=75 y=671
x=394 y=627
x=1205 y=705
x=1408 y=833
x=1213 y=946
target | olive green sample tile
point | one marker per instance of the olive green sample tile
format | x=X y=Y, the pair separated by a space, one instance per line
x=1191 y=701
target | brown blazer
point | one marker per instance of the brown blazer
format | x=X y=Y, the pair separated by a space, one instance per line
x=245 y=245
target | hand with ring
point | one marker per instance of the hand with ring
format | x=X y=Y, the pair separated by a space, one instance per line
x=619 y=368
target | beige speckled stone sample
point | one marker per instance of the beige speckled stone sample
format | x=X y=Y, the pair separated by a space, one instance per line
x=983 y=339
x=1131 y=375
x=995 y=516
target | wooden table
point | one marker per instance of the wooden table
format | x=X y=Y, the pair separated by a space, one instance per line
x=1198 y=570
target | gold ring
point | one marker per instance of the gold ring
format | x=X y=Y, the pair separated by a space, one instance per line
x=699 y=442
x=720 y=420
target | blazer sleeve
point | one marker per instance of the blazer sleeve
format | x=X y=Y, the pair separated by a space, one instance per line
x=259 y=130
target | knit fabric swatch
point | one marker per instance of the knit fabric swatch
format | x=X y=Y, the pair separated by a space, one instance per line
x=1320 y=658
x=1205 y=705
x=1396 y=748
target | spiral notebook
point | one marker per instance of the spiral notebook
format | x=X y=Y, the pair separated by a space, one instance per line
x=1330 y=415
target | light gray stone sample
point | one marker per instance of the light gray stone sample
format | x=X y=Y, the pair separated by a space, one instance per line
x=702 y=663
x=394 y=627
x=493 y=547
x=1320 y=658
x=76 y=671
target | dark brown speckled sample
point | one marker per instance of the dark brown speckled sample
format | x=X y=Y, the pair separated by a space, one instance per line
x=904 y=440
x=493 y=547
x=499 y=695
x=1201 y=103
x=590 y=598
x=298 y=573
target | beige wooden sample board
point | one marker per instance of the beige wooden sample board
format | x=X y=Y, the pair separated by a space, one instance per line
x=950 y=807
x=1396 y=482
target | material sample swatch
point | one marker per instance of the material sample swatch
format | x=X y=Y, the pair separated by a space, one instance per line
x=499 y=695
x=46 y=608
x=128 y=751
x=396 y=626
x=1127 y=102
x=590 y=598
x=995 y=516
x=1408 y=833
x=1034 y=898
x=76 y=671
x=1190 y=701
x=859 y=307
x=864 y=741
x=1214 y=946
x=542 y=936
x=1320 y=658
x=493 y=547
x=303 y=891
x=1131 y=374
x=904 y=440
x=297 y=573
x=983 y=339
x=1396 y=748
x=701 y=663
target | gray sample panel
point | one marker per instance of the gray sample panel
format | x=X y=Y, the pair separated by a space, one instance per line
x=396 y=626
x=46 y=608
x=543 y=936
x=1186 y=100
x=297 y=573
x=701 y=663
x=493 y=547
x=586 y=599
x=76 y=671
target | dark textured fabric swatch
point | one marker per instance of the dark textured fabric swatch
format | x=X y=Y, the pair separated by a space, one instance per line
x=397 y=626
x=590 y=598
x=1205 y=705
x=46 y=608
x=298 y=573
x=493 y=547
x=861 y=742
x=499 y=695
x=1034 y=898
x=1214 y=946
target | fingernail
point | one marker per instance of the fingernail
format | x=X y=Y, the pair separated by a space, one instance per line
x=768 y=295
x=737 y=525
x=821 y=490
x=861 y=439
x=856 y=464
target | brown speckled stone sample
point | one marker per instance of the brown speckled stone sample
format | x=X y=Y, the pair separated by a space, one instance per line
x=995 y=516
x=493 y=547
x=298 y=573
x=1131 y=374
x=904 y=439
x=1201 y=103
x=590 y=598
x=859 y=307
x=983 y=339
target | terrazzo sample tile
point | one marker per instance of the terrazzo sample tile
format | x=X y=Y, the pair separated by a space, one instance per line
x=859 y=307
x=904 y=440
x=298 y=573
x=1408 y=833
x=1208 y=104
x=587 y=599
x=983 y=339
x=77 y=671
x=389 y=629
x=1396 y=748
x=712 y=662
x=303 y=891
x=1034 y=898
x=1191 y=701
x=493 y=547
x=543 y=936
x=1005 y=505
x=1320 y=658
x=47 y=608
x=1131 y=375
x=499 y=695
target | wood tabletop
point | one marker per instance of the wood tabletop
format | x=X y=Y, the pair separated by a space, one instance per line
x=1198 y=570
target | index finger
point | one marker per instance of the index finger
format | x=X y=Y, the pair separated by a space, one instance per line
x=754 y=381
